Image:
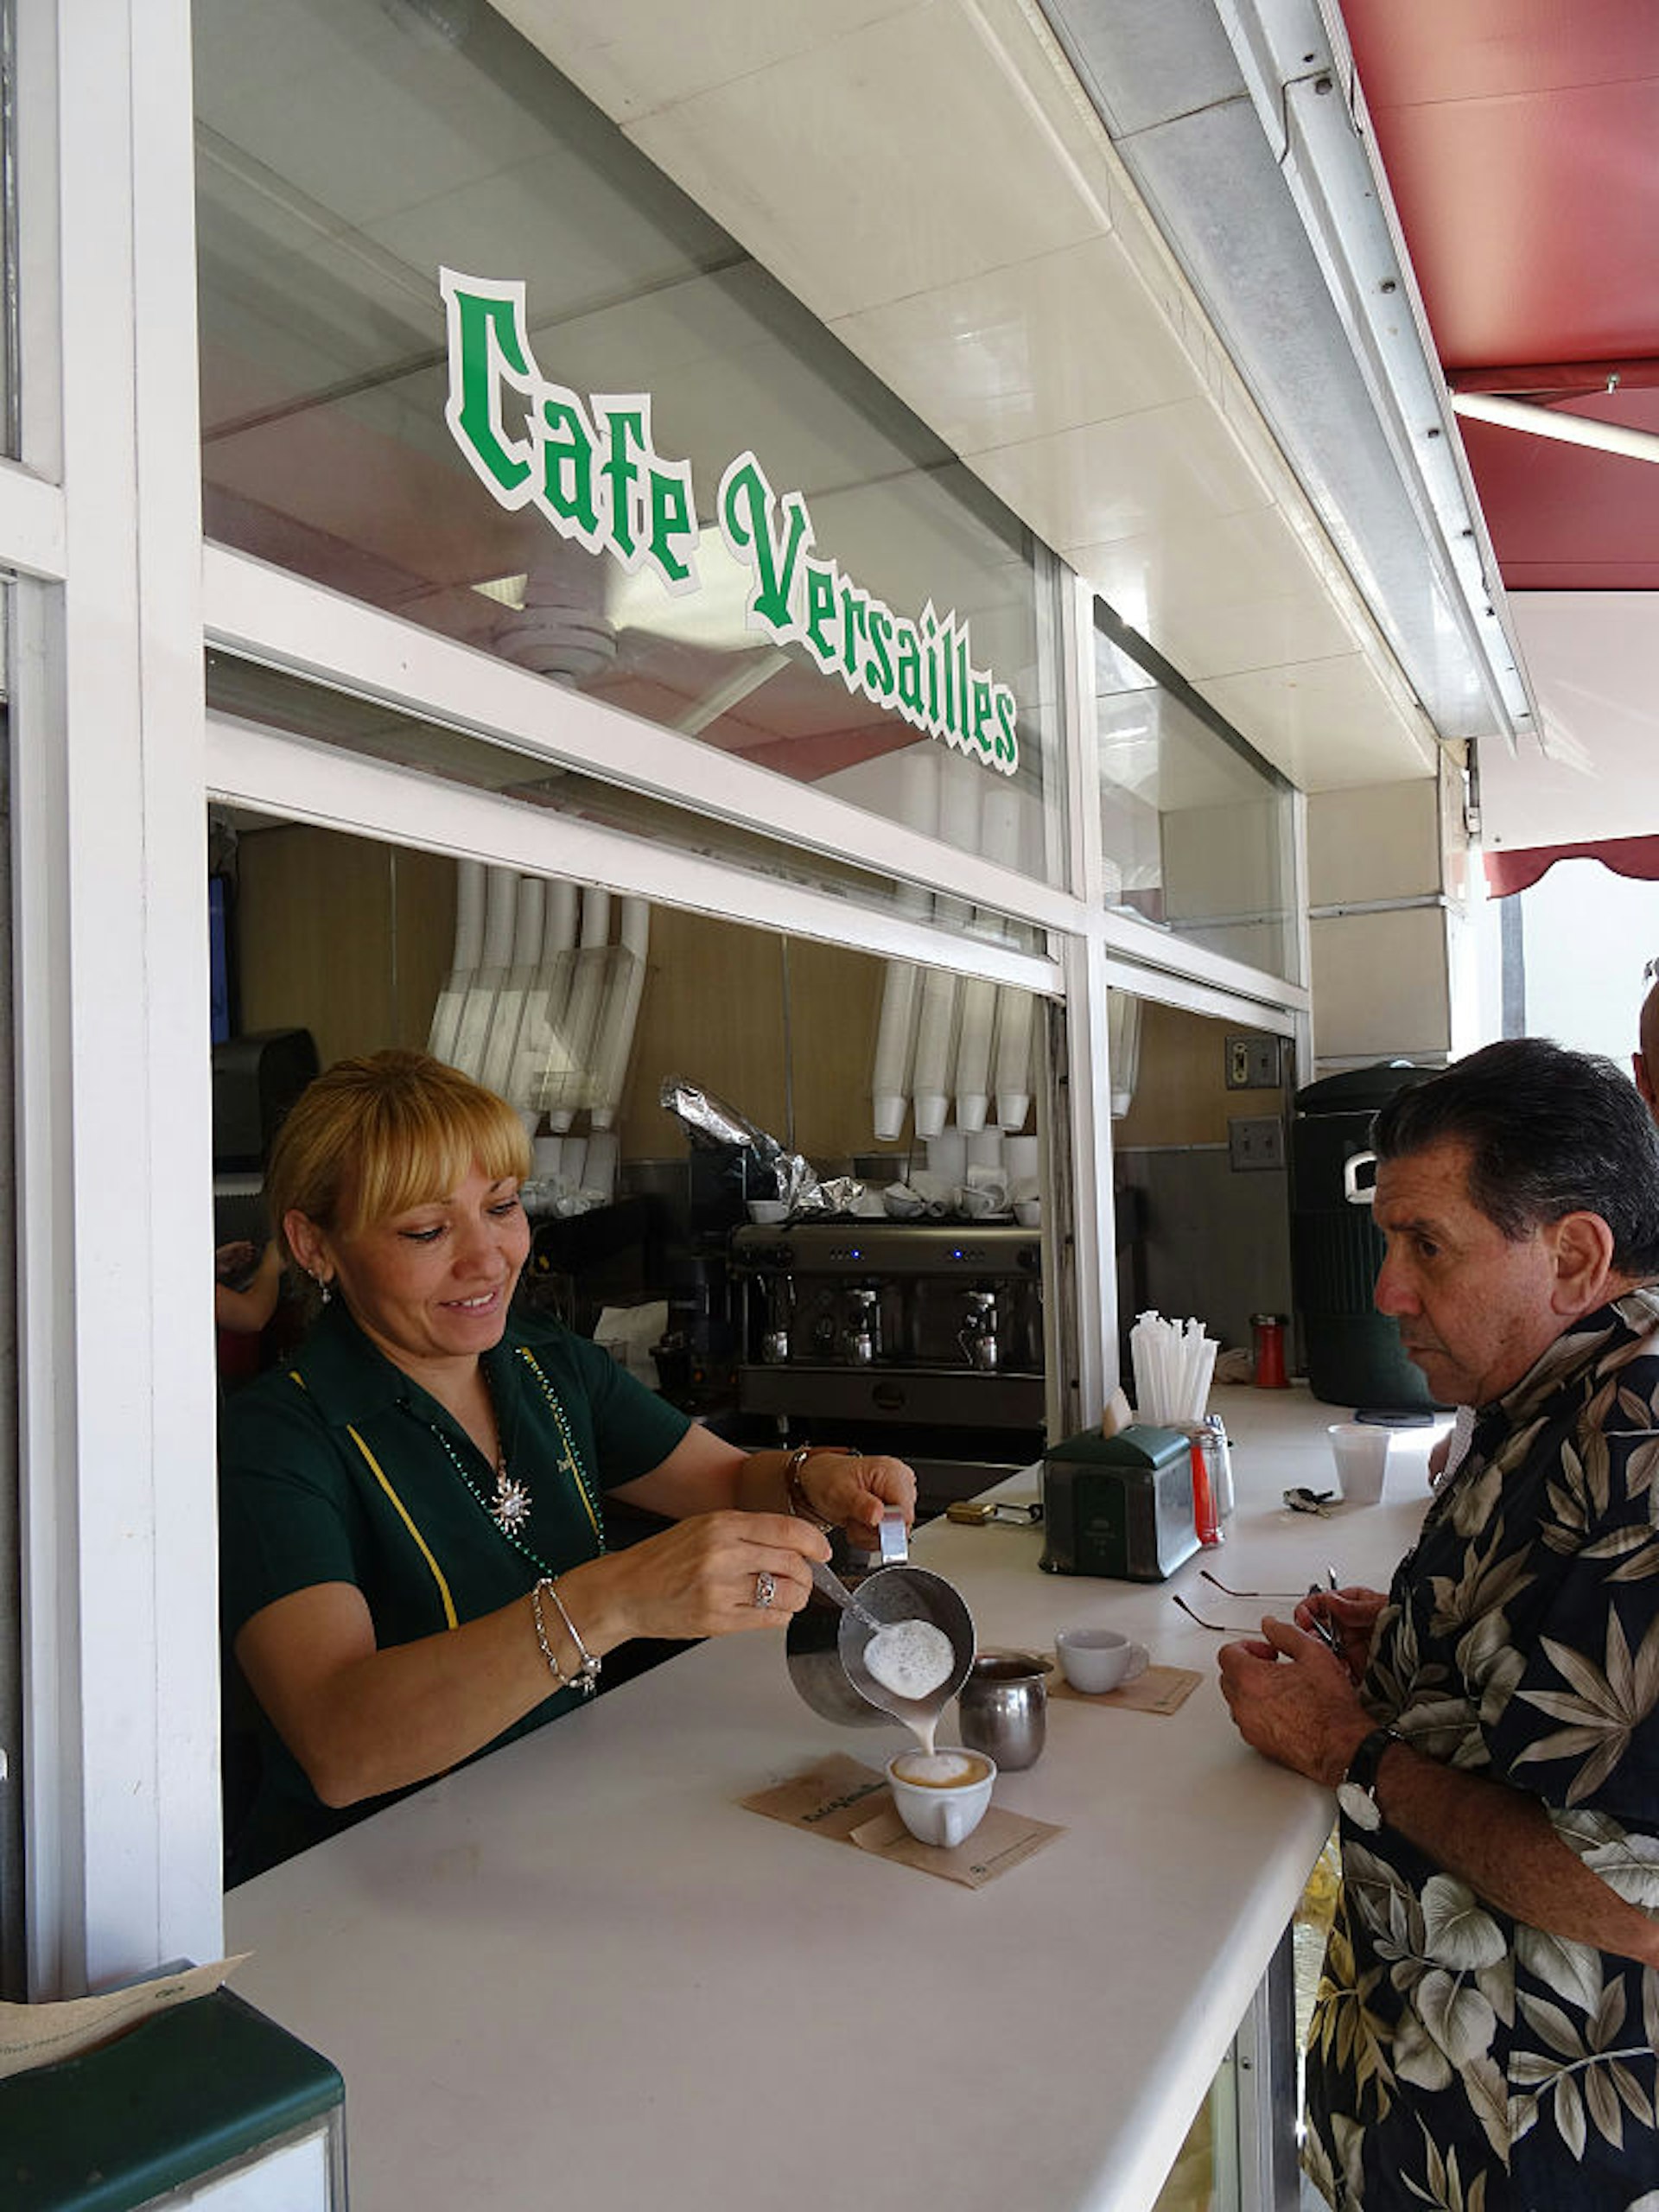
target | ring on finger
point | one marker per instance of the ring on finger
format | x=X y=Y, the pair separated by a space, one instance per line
x=765 y=1589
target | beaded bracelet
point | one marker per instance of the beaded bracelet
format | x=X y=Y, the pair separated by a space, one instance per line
x=587 y=1675
x=795 y=1491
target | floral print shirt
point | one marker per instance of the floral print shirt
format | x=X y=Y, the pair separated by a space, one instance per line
x=1461 y=2059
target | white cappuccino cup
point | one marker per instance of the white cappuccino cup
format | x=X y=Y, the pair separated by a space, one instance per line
x=941 y=1796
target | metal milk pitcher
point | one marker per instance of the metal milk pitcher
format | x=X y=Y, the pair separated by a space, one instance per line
x=1003 y=1707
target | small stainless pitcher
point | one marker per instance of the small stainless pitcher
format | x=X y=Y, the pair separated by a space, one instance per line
x=1004 y=1707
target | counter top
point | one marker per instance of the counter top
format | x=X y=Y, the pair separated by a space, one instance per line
x=578 y=1972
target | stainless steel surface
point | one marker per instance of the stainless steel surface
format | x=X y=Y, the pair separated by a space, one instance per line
x=823 y=1648
x=1003 y=1708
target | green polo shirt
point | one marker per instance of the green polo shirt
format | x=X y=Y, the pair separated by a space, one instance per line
x=338 y=1468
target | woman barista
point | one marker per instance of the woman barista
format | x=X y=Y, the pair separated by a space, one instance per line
x=412 y=1527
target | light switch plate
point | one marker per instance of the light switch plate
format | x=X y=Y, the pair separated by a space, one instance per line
x=1256 y=1140
x=1252 y=1063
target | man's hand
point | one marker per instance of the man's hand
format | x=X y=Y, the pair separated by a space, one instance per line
x=1293 y=1701
x=1352 y=1614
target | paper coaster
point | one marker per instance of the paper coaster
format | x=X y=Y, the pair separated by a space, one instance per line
x=1160 y=1689
x=850 y=1803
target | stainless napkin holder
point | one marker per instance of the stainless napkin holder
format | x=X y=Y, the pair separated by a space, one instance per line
x=1119 y=1505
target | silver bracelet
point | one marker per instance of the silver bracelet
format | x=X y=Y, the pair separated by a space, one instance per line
x=586 y=1678
x=795 y=1489
x=561 y=1680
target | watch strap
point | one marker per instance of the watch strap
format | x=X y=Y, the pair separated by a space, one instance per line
x=1368 y=1757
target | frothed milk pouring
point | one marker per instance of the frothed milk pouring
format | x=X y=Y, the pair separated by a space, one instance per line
x=901 y=1655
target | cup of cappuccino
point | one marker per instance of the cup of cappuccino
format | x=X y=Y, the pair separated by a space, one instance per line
x=941 y=1796
x=1094 y=1660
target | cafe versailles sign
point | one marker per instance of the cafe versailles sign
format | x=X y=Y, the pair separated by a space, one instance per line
x=591 y=468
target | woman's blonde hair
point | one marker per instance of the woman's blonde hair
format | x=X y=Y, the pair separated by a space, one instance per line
x=370 y=1138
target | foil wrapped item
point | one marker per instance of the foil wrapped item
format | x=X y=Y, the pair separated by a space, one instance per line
x=710 y=1123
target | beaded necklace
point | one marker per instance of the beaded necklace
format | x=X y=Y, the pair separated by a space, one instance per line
x=508 y=1511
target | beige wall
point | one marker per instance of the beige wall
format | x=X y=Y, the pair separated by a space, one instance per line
x=1382 y=981
x=1181 y=1089
x=351 y=939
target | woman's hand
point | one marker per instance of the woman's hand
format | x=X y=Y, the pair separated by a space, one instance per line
x=852 y=1492
x=1352 y=1614
x=706 y=1576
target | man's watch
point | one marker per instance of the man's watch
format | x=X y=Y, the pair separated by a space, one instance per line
x=1357 y=1791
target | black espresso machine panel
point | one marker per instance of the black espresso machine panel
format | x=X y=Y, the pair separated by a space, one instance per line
x=889 y=1322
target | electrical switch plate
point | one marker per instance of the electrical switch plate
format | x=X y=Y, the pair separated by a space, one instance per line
x=1256 y=1140
x=1252 y=1063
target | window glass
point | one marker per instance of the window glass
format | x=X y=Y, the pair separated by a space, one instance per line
x=1195 y=826
x=524 y=468
x=251 y=692
x=904 y=1309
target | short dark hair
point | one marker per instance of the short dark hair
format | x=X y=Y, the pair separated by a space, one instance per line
x=1548 y=1132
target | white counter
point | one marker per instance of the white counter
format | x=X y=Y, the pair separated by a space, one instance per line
x=578 y=1974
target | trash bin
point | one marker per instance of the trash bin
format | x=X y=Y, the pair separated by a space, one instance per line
x=1354 y=1354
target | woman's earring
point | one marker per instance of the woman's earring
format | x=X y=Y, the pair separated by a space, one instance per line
x=324 y=1288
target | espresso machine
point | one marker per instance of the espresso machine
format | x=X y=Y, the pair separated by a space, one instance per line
x=921 y=1338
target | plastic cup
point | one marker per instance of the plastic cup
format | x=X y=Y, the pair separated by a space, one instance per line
x=1362 y=1457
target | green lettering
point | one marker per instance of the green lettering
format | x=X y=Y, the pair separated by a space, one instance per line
x=854 y=606
x=672 y=517
x=878 y=668
x=567 y=469
x=487 y=350
x=909 y=671
x=1007 y=743
x=625 y=425
x=981 y=711
x=744 y=508
x=820 y=608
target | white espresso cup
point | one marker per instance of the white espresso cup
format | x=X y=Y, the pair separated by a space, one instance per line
x=943 y=1797
x=1094 y=1660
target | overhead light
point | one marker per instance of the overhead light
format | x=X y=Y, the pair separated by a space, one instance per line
x=1571 y=429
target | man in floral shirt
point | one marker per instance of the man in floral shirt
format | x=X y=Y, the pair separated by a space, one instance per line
x=1486 y=2030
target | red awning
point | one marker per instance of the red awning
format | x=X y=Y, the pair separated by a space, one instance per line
x=1519 y=869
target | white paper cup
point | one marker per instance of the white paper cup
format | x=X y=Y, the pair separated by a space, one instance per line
x=1094 y=1660
x=947 y=1814
x=768 y=1212
x=1362 y=1457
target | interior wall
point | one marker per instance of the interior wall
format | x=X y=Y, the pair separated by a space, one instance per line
x=351 y=939
x=1198 y=1235
x=346 y=936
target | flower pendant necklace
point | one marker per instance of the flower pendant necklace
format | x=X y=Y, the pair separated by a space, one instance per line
x=510 y=1508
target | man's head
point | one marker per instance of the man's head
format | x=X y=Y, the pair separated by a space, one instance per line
x=1644 y=1062
x=1518 y=1190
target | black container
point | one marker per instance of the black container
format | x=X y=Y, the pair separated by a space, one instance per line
x=1354 y=1354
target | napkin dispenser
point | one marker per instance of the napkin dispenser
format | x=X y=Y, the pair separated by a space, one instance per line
x=1119 y=1505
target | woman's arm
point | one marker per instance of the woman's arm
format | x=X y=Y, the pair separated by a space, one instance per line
x=703 y=1474
x=362 y=1720
x=247 y=1311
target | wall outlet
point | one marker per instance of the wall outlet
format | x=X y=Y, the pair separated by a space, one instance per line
x=1256 y=1140
x=1252 y=1063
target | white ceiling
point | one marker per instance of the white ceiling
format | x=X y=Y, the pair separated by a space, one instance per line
x=930 y=177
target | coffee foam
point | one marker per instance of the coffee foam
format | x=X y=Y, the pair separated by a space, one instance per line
x=911 y=1658
x=940 y=1769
